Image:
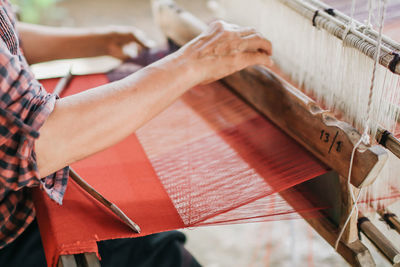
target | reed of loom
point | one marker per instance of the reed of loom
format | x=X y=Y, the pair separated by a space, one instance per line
x=316 y=129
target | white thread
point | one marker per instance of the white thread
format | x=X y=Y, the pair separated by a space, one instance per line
x=337 y=76
x=364 y=137
x=346 y=31
x=370 y=10
x=350 y=25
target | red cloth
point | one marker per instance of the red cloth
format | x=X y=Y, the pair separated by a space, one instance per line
x=207 y=159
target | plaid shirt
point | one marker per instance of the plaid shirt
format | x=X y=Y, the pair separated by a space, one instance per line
x=24 y=107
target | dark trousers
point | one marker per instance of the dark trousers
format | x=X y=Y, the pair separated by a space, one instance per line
x=163 y=249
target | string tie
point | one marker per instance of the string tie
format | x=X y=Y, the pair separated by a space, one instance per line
x=349 y=27
x=330 y=11
x=314 y=17
x=393 y=62
x=366 y=140
x=365 y=136
x=384 y=137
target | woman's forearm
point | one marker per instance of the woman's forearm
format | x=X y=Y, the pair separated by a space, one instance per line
x=43 y=43
x=91 y=121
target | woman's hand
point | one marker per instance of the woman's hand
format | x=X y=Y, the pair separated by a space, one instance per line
x=224 y=49
x=43 y=43
x=88 y=122
x=118 y=37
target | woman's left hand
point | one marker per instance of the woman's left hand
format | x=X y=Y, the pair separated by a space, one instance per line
x=118 y=37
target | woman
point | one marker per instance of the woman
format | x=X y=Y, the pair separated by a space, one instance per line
x=41 y=135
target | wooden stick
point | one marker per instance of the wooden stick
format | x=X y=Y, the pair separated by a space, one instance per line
x=109 y=205
x=380 y=241
x=61 y=85
x=388 y=140
x=391 y=219
x=67 y=261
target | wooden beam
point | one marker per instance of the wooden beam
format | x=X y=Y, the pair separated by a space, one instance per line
x=91 y=260
x=67 y=261
x=391 y=219
x=389 y=141
x=79 y=260
x=329 y=139
x=349 y=247
x=380 y=240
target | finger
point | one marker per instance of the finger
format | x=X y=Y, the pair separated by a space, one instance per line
x=247 y=59
x=246 y=31
x=241 y=31
x=137 y=36
x=256 y=42
x=143 y=40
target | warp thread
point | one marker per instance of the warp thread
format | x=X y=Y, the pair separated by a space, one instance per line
x=394 y=61
x=350 y=25
x=364 y=137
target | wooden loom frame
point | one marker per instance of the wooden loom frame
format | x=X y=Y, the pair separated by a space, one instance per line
x=329 y=139
x=316 y=129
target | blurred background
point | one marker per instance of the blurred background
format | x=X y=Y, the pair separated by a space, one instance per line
x=278 y=243
x=82 y=13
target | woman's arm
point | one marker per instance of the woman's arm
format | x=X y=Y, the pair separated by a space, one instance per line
x=43 y=43
x=91 y=121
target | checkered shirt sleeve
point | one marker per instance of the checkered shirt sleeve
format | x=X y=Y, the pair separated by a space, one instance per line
x=24 y=107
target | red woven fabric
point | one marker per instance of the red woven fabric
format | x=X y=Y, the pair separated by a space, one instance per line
x=208 y=159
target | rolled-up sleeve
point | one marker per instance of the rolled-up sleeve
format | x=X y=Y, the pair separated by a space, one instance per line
x=24 y=107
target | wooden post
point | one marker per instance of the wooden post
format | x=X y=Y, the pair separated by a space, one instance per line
x=380 y=241
x=351 y=232
x=79 y=260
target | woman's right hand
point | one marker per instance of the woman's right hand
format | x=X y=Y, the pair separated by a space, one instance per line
x=224 y=49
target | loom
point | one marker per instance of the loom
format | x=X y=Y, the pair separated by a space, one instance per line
x=296 y=96
x=322 y=30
